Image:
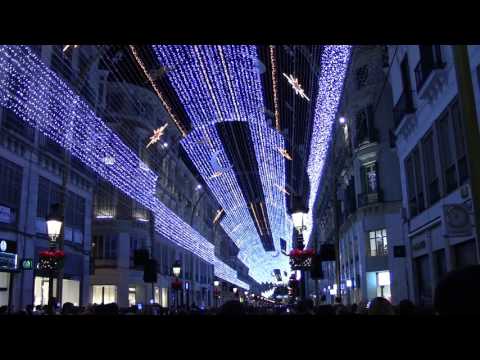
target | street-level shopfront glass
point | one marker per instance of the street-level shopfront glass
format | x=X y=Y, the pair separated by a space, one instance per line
x=164 y=302
x=132 y=296
x=70 y=291
x=105 y=294
x=157 y=295
x=4 y=288
x=383 y=285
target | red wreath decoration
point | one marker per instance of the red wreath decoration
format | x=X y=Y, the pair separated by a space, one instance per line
x=301 y=259
x=51 y=260
x=57 y=254
x=177 y=285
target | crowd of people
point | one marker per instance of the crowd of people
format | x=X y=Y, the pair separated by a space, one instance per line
x=457 y=293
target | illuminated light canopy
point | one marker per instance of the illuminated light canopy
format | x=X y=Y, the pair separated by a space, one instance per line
x=42 y=99
x=219 y=84
x=334 y=65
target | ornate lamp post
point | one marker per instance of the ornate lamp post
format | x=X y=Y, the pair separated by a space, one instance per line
x=54 y=227
x=177 y=285
x=298 y=223
x=216 y=292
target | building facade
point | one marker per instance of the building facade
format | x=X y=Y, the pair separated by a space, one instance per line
x=359 y=210
x=430 y=142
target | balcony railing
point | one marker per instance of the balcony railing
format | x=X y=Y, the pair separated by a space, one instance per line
x=369 y=198
x=426 y=65
x=403 y=107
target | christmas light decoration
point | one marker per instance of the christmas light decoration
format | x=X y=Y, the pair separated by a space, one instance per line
x=334 y=65
x=273 y=61
x=296 y=86
x=217 y=216
x=157 y=134
x=285 y=153
x=66 y=47
x=282 y=189
x=214 y=86
x=40 y=97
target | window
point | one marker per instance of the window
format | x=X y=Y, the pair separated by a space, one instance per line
x=369 y=180
x=10 y=187
x=104 y=294
x=452 y=147
x=105 y=246
x=431 y=178
x=446 y=146
x=132 y=297
x=378 y=242
x=5 y=279
x=423 y=280
x=465 y=254
x=364 y=122
x=70 y=291
x=75 y=214
x=51 y=146
x=460 y=148
x=13 y=122
x=430 y=59
x=49 y=193
x=362 y=76
x=413 y=170
x=404 y=104
x=440 y=264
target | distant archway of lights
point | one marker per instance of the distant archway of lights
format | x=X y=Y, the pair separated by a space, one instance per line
x=37 y=95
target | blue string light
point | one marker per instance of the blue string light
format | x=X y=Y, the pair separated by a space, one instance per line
x=41 y=98
x=330 y=83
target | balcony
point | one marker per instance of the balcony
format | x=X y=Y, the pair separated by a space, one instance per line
x=428 y=65
x=369 y=198
x=403 y=107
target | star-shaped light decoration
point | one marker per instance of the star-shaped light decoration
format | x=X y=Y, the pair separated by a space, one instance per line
x=66 y=47
x=285 y=153
x=296 y=86
x=157 y=134
x=282 y=189
x=219 y=213
x=216 y=174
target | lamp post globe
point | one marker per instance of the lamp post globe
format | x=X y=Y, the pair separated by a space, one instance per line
x=54 y=222
x=176 y=269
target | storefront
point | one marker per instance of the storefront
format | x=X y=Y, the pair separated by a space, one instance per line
x=8 y=268
x=71 y=284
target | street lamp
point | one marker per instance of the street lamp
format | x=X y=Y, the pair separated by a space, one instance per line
x=216 y=291
x=176 y=269
x=298 y=221
x=383 y=280
x=54 y=226
x=54 y=223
